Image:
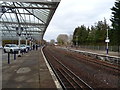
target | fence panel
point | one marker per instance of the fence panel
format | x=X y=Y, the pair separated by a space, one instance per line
x=101 y=48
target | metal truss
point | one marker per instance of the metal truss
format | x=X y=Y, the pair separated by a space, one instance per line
x=33 y=17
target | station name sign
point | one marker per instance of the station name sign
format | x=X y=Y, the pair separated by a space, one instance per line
x=107 y=40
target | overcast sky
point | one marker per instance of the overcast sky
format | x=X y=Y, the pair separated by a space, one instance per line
x=73 y=13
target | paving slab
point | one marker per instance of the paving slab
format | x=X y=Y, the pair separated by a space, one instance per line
x=28 y=71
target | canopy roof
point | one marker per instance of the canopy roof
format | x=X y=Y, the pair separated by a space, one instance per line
x=31 y=17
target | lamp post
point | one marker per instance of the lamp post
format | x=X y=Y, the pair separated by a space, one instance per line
x=107 y=41
x=19 y=31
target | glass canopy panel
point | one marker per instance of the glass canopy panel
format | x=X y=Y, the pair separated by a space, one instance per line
x=33 y=16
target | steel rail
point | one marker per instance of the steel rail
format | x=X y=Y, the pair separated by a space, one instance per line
x=105 y=64
x=92 y=60
x=73 y=73
x=65 y=67
x=69 y=78
x=53 y=69
x=64 y=79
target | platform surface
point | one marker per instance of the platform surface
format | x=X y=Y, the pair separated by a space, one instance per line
x=110 y=53
x=28 y=71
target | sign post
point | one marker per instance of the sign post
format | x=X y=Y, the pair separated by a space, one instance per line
x=107 y=48
x=107 y=41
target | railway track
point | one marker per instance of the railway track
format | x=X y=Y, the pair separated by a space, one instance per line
x=109 y=66
x=112 y=67
x=65 y=75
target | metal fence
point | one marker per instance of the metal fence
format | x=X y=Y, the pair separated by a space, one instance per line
x=102 y=48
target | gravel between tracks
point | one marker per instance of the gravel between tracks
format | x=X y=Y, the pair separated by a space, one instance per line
x=95 y=75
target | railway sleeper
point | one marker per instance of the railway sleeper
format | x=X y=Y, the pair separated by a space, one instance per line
x=64 y=80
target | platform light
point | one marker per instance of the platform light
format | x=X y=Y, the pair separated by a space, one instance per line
x=19 y=31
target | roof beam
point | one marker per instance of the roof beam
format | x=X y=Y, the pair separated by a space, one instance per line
x=51 y=8
x=22 y=23
x=20 y=13
x=5 y=30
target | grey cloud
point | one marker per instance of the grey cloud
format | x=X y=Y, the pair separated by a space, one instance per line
x=71 y=14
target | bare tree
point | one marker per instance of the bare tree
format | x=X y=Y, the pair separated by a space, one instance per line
x=62 y=39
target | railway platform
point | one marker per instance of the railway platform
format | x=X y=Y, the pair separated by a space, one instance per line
x=111 y=53
x=111 y=57
x=103 y=52
x=28 y=71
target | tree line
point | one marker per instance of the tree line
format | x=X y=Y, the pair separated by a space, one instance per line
x=96 y=34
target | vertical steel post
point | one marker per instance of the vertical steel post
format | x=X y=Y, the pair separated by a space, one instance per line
x=26 y=38
x=107 y=42
x=8 y=58
x=26 y=45
x=107 y=48
x=1 y=60
x=19 y=55
x=30 y=45
x=14 y=55
x=26 y=41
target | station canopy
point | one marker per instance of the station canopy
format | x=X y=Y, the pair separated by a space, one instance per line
x=28 y=18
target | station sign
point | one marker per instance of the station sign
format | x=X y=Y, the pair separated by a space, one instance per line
x=107 y=40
